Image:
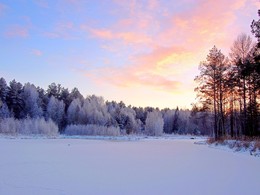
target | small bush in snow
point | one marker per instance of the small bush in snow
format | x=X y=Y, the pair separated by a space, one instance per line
x=9 y=126
x=91 y=130
x=38 y=126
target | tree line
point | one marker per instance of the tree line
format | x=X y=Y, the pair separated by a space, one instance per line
x=229 y=87
x=24 y=106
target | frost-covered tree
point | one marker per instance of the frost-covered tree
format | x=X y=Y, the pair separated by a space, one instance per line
x=65 y=97
x=30 y=97
x=73 y=111
x=43 y=99
x=96 y=110
x=125 y=117
x=54 y=90
x=154 y=124
x=74 y=94
x=4 y=111
x=184 y=125
x=126 y=120
x=140 y=114
x=14 y=98
x=55 y=111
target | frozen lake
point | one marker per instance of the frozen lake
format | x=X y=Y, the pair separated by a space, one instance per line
x=81 y=166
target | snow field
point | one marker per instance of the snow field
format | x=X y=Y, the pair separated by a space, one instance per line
x=163 y=166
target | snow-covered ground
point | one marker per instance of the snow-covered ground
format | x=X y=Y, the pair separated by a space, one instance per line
x=139 y=166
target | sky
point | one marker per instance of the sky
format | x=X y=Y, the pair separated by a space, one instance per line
x=142 y=52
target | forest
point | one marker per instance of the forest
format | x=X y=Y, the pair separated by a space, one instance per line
x=229 y=86
x=228 y=89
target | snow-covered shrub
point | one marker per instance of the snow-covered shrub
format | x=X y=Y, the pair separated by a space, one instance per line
x=154 y=124
x=38 y=126
x=91 y=130
x=9 y=126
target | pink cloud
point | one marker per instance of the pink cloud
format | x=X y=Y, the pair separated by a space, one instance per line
x=135 y=23
x=153 y=4
x=158 y=70
x=178 y=41
x=17 y=31
x=36 y=52
x=102 y=33
x=125 y=37
x=208 y=22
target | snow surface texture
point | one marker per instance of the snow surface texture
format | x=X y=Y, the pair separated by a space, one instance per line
x=144 y=166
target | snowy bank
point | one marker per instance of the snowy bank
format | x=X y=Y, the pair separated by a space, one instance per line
x=238 y=146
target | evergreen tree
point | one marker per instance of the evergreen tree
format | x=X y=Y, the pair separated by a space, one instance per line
x=14 y=98
x=3 y=90
x=175 y=125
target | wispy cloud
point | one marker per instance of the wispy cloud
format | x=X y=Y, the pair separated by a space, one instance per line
x=62 y=29
x=125 y=37
x=17 y=31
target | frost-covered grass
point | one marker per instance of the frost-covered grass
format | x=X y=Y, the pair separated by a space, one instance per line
x=144 y=166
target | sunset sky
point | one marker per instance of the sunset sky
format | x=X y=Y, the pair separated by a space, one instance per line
x=145 y=53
